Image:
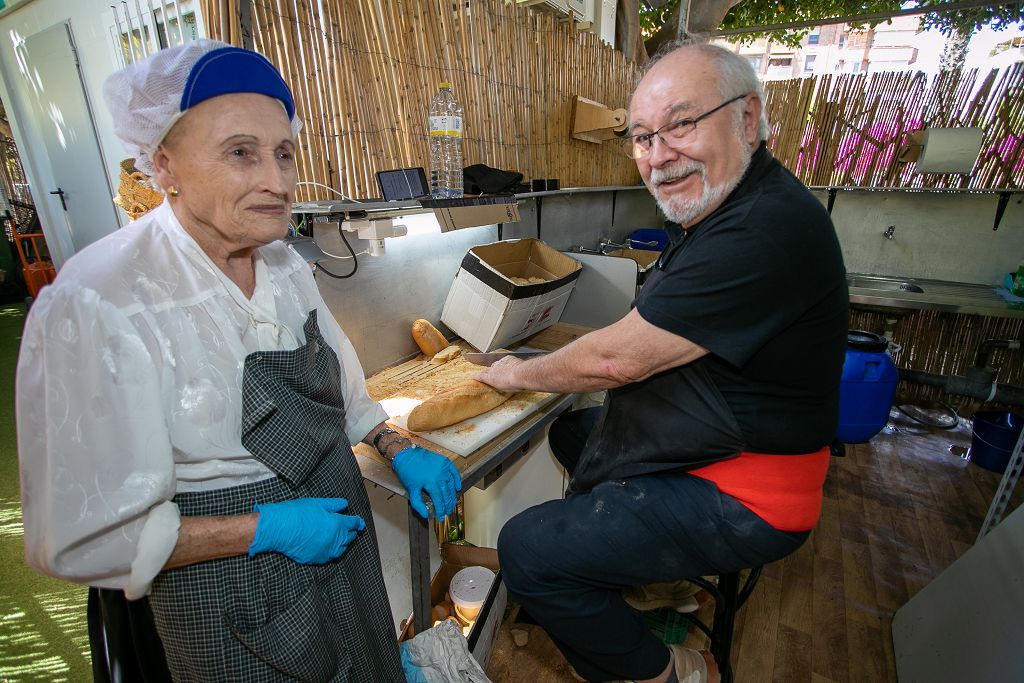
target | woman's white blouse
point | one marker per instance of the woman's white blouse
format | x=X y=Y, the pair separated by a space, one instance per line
x=129 y=390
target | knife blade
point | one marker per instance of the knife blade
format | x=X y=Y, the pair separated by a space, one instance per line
x=489 y=359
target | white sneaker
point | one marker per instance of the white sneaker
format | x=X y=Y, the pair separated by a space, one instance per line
x=690 y=665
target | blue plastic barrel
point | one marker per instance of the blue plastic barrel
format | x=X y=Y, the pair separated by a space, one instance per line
x=993 y=439
x=867 y=388
x=651 y=239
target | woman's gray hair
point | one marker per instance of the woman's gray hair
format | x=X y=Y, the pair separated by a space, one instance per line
x=737 y=73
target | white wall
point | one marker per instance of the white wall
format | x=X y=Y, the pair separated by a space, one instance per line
x=937 y=236
x=91 y=21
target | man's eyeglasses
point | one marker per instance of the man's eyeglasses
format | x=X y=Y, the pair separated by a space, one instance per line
x=639 y=146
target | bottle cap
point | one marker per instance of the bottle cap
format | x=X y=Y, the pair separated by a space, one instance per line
x=443 y=84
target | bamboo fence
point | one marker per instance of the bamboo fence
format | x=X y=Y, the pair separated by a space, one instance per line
x=848 y=130
x=363 y=73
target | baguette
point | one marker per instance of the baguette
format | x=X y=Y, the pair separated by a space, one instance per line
x=428 y=338
x=466 y=399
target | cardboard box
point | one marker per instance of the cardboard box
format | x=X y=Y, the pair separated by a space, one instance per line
x=489 y=310
x=470 y=212
x=485 y=630
x=643 y=257
x=645 y=260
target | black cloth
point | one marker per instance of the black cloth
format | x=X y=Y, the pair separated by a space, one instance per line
x=761 y=284
x=567 y=561
x=483 y=179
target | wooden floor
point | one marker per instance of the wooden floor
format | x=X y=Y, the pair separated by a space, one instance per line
x=897 y=511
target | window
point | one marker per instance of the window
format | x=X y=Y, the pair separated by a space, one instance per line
x=780 y=67
x=813 y=38
x=842 y=40
x=809 y=63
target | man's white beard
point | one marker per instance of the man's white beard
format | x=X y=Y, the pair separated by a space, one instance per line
x=683 y=210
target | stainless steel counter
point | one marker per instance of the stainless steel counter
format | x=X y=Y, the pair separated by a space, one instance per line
x=934 y=295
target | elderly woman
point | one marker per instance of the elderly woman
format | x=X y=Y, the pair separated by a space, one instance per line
x=187 y=403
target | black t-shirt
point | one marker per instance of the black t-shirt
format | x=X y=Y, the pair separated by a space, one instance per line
x=761 y=284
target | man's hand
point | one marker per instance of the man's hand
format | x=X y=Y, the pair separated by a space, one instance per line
x=308 y=530
x=421 y=470
x=500 y=375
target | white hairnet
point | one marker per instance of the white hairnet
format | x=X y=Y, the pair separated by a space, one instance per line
x=146 y=98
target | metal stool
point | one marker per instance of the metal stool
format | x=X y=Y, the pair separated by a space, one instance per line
x=729 y=597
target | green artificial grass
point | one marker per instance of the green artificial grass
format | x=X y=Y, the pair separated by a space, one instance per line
x=42 y=620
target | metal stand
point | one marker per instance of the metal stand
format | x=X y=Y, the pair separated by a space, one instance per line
x=729 y=597
x=998 y=507
x=419 y=552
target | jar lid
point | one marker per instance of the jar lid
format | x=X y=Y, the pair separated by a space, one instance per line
x=861 y=340
x=469 y=586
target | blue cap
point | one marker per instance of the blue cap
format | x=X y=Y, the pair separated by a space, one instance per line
x=234 y=70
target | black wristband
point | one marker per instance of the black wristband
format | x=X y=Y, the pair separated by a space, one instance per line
x=381 y=434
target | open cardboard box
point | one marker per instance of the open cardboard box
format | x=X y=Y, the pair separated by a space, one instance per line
x=489 y=310
x=485 y=631
x=643 y=257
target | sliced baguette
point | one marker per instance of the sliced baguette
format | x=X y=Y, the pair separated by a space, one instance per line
x=466 y=399
x=446 y=354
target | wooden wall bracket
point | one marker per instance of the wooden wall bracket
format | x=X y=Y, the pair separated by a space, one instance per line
x=594 y=122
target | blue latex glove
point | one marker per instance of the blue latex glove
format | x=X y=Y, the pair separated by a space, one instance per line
x=421 y=470
x=308 y=530
x=413 y=674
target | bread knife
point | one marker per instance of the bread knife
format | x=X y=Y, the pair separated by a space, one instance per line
x=489 y=359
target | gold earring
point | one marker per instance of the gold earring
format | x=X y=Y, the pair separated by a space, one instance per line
x=172 y=191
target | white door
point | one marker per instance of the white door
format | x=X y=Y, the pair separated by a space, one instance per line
x=81 y=192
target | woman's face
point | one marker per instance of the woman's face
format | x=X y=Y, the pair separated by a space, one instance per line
x=232 y=160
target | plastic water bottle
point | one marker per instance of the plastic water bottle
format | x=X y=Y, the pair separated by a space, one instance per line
x=445 y=144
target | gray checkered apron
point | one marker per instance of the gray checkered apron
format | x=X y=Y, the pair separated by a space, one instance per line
x=267 y=618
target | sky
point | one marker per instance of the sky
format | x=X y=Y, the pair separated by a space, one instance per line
x=931 y=43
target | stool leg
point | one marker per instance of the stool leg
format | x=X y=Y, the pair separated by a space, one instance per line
x=725 y=616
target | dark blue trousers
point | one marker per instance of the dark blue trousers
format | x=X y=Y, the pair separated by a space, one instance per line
x=567 y=561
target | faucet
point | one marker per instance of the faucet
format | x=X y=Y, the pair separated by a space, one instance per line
x=890 y=232
x=606 y=244
x=580 y=249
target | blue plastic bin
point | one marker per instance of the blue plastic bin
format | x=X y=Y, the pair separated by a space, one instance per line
x=993 y=438
x=868 y=387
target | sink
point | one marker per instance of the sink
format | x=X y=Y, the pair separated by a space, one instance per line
x=891 y=292
x=883 y=284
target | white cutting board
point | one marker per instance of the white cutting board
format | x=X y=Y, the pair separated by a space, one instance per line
x=465 y=437
x=401 y=388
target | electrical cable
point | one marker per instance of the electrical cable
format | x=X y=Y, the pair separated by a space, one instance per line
x=335 y=256
x=355 y=261
x=343 y=258
x=327 y=187
x=924 y=414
